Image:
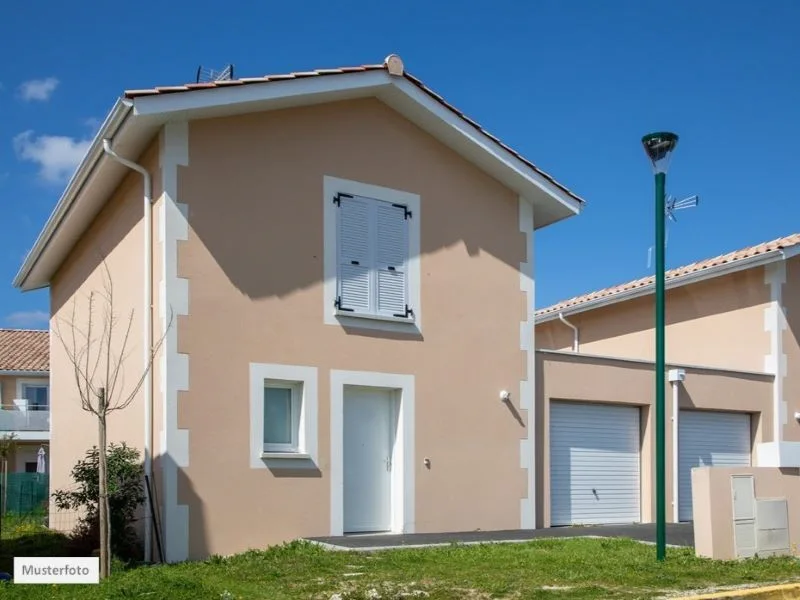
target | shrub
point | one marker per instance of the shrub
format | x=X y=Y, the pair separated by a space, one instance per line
x=125 y=495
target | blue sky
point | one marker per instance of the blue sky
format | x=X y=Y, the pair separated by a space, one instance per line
x=572 y=85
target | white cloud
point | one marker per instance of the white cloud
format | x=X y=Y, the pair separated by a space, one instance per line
x=30 y=318
x=93 y=123
x=38 y=89
x=56 y=155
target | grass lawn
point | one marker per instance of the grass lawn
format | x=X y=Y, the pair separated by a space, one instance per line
x=572 y=568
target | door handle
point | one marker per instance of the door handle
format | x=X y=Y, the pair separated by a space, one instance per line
x=388 y=462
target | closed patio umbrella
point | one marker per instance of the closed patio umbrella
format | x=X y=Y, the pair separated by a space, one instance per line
x=41 y=467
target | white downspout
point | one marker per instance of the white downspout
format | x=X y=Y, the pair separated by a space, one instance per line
x=147 y=328
x=675 y=466
x=575 y=346
x=675 y=378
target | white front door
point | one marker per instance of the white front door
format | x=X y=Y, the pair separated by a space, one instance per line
x=368 y=441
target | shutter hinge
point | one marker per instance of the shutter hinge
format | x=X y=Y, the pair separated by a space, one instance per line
x=407 y=213
x=409 y=313
x=338 y=305
x=337 y=199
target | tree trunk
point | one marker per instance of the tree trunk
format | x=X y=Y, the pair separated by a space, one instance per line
x=105 y=534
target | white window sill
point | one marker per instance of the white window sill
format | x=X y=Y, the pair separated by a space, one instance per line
x=291 y=455
x=373 y=317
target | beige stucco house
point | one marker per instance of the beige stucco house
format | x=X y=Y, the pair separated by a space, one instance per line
x=733 y=391
x=349 y=263
x=24 y=397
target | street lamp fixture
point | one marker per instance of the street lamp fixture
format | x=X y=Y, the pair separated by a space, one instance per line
x=659 y=148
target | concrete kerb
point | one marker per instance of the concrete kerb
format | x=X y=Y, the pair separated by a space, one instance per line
x=335 y=548
x=786 y=591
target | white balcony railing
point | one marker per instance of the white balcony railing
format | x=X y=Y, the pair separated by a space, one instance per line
x=24 y=418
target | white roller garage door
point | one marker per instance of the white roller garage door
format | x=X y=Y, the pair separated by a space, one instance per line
x=594 y=463
x=709 y=439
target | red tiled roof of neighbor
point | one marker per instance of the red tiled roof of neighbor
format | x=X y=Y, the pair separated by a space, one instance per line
x=393 y=64
x=709 y=263
x=24 y=350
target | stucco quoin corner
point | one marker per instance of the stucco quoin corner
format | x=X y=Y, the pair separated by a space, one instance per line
x=174 y=301
x=527 y=388
x=775 y=361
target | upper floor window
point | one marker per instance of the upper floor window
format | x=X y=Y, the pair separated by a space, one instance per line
x=372 y=257
x=36 y=394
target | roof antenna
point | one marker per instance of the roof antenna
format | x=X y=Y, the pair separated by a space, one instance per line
x=671 y=205
x=206 y=75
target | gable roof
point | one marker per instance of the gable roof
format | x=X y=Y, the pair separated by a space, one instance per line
x=392 y=65
x=24 y=350
x=139 y=114
x=745 y=258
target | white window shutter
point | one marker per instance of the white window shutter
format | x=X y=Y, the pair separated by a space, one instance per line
x=391 y=258
x=354 y=254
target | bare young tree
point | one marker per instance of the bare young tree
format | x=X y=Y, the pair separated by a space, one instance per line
x=97 y=347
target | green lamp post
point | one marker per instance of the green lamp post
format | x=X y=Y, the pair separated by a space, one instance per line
x=659 y=148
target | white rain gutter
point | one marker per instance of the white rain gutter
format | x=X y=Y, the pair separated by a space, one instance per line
x=675 y=455
x=575 y=345
x=147 y=329
x=12 y=373
x=709 y=273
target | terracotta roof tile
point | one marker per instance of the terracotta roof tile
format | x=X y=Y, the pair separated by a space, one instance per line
x=709 y=263
x=393 y=64
x=24 y=350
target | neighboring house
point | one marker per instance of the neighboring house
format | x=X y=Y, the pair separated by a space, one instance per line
x=349 y=261
x=733 y=325
x=24 y=395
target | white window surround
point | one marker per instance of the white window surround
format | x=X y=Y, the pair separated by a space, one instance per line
x=403 y=486
x=333 y=186
x=305 y=378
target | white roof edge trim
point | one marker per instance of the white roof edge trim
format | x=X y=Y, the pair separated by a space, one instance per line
x=366 y=80
x=791 y=252
x=487 y=144
x=709 y=273
x=17 y=373
x=114 y=120
x=164 y=104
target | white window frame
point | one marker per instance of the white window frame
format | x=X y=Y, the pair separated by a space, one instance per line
x=24 y=383
x=332 y=186
x=303 y=381
x=296 y=397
